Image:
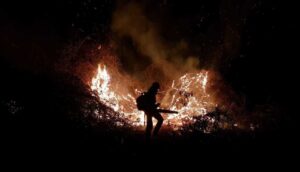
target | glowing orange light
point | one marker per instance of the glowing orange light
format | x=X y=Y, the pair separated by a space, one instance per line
x=187 y=95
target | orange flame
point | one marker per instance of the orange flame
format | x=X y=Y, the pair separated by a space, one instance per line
x=187 y=95
x=118 y=101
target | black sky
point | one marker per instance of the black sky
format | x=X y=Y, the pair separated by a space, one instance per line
x=253 y=42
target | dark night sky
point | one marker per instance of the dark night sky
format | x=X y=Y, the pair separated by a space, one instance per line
x=257 y=57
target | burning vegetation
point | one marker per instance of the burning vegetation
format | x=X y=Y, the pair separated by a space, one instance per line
x=135 y=56
x=190 y=95
x=72 y=72
x=187 y=95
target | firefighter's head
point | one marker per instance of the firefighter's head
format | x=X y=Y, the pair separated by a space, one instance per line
x=154 y=87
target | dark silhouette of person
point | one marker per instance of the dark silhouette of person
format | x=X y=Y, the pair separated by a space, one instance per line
x=151 y=111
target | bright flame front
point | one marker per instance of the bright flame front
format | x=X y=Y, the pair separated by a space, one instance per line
x=118 y=101
x=187 y=95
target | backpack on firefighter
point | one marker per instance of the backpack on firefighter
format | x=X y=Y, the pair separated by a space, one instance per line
x=141 y=101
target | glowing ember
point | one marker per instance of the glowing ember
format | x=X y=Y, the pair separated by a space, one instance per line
x=187 y=95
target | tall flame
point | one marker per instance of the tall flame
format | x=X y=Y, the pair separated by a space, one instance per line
x=118 y=101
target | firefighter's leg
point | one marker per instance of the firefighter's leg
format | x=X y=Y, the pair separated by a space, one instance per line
x=149 y=126
x=160 y=120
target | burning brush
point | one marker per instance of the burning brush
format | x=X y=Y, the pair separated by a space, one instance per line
x=188 y=95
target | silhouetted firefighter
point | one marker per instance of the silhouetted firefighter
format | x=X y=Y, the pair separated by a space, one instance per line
x=147 y=103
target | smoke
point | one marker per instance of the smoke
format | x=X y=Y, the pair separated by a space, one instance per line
x=169 y=60
x=130 y=21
